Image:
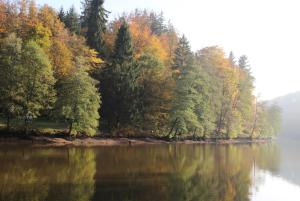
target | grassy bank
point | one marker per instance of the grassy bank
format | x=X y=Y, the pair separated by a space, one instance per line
x=53 y=133
x=43 y=126
x=61 y=141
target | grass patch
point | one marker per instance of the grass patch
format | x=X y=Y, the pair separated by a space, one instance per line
x=40 y=125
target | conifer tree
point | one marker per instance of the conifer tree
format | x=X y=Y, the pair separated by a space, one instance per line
x=96 y=20
x=123 y=45
x=243 y=62
x=157 y=23
x=71 y=20
x=86 y=5
x=61 y=14
x=183 y=117
x=119 y=87
x=232 y=59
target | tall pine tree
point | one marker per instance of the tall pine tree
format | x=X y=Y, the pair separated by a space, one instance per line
x=61 y=14
x=71 y=20
x=243 y=62
x=119 y=85
x=183 y=117
x=95 y=22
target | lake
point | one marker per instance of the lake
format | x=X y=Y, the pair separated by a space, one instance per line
x=266 y=172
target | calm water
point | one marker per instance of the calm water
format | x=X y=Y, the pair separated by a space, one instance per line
x=151 y=173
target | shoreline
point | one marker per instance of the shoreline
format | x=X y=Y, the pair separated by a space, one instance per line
x=43 y=141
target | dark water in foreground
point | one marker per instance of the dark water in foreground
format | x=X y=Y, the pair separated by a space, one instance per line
x=149 y=173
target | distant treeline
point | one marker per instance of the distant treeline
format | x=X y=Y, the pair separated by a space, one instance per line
x=134 y=72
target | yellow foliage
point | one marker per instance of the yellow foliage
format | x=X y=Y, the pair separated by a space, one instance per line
x=140 y=36
x=80 y=50
x=111 y=35
x=144 y=41
x=61 y=59
x=42 y=35
x=169 y=41
x=93 y=57
x=48 y=17
x=157 y=48
x=3 y=17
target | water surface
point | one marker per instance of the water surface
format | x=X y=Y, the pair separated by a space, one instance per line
x=147 y=173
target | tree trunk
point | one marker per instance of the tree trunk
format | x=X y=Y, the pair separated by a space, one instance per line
x=173 y=126
x=70 y=128
x=204 y=134
x=8 y=122
x=194 y=133
x=255 y=120
x=227 y=135
x=176 y=132
x=219 y=122
x=26 y=127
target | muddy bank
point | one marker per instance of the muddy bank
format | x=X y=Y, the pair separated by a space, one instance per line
x=96 y=141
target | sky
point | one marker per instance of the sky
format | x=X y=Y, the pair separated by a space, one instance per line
x=267 y=31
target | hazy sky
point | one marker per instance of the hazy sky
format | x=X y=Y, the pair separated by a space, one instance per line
x=267 y=31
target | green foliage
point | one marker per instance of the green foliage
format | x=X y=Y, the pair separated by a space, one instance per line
x=228 y=89
x=27 y=84
x=57 y=174
x=96 y=19
x=243 y=62
x=155 y=94
x=150 y=81
x=244 y=100
x=70 y=19
x=119 y=84
x=123 y=45
x=183 y=109
x=234 y=124
x=268 y=120
x=157 y=23
x=38 y=82
x=274 y=119
x=10 y=76
x=203 y=110
x=78 y=103
x=61 y=14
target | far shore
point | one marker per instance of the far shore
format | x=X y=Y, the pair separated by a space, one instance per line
x=46 y=141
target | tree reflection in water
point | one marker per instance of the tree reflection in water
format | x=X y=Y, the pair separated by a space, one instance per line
x=174 y=172
x=181 y=172
x=47 y=174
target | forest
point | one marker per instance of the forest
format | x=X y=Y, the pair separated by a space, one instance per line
x=135 y=75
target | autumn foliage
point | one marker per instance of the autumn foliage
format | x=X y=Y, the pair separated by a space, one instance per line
x=150 y=80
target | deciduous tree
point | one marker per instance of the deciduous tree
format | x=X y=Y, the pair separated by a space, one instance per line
x=80 y=105
x=10 y=76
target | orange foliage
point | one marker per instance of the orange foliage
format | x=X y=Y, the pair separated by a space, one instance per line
x=143 y=40
x=61 y=59
x=43 y=26
x=79 y=49
x=111 y=35
x=169 y=40
x=3 y=16
x=49 y=18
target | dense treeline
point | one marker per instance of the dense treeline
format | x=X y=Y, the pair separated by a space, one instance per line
x=147 y=80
